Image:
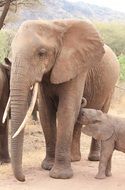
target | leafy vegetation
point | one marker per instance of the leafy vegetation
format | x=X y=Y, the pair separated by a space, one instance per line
x=5 y=41
x=113 y=34
x=121 y=59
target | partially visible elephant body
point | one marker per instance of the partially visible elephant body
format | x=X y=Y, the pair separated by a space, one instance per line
x=101 y=80
x=4 y=95
x=99 y=88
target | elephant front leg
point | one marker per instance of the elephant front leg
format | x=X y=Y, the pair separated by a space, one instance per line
x=75 y=149
x=62 y=166
x=94 y=154
x=70 y=96
x=108 y=169
x=48 y=121
x=105 y=159
x=67 y=114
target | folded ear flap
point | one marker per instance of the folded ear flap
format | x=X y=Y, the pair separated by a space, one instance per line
x=7 y=64
x=81 y=47
x=83 y=103
x=91 y=131
x=106 y=132
x=99 y=132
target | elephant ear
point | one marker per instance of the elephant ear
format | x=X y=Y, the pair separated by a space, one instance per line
x=99 y=132
x=81 y=47
x=7 y=64
x=105 y=132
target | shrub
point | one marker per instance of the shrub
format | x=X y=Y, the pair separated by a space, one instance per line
x=113 y=34
x=121 y=59
x=5 y=41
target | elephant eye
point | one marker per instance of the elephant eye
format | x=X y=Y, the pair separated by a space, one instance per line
x=42 y=52
x=96 y=121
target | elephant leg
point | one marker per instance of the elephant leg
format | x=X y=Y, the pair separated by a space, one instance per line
x=67 y=113
x=4 y=153
x=94 y=154
x=48 y=121
x=62 y=166
x=107 y=148
x=108 y=169
x=75 y=149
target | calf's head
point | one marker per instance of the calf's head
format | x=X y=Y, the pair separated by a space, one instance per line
x=97 y=124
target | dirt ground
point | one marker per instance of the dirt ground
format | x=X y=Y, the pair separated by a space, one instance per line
x=84 y=170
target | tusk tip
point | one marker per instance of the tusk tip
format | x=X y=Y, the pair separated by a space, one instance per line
x=15 y=135
x=4 y=119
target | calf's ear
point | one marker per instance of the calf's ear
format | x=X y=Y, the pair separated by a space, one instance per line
x=99 y=132
x=106 y=131
x=90 y=131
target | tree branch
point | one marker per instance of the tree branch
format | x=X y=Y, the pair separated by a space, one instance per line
x=4 y=13
x=3 y=2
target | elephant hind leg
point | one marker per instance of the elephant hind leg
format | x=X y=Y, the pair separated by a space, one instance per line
x=94 y=154
x=48 y=120
x=75 y=148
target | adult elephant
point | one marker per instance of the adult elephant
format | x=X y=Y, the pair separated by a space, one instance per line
x=59 y=55
x=4 y=95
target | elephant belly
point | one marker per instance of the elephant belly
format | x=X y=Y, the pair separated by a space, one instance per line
x=120 y=147
x=95 y=94
x=101 y=80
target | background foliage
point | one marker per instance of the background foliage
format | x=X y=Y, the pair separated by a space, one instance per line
x=5 y=42
x=113 y=34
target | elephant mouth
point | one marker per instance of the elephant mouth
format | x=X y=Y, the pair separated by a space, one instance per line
x=82 y=118
x=29 y=112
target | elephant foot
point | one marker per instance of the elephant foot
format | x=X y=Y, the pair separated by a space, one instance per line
x=19 y=177
x=100 y=176
x=4 y=160
x=61 y=172
x=75 y=157
x=94 y=156
x=47 y=164
x=108 y=174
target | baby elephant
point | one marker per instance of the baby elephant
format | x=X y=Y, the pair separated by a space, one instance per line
x=109 y=129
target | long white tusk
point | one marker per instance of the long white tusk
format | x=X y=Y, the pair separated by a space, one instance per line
x=30 y=110
x=6 y=111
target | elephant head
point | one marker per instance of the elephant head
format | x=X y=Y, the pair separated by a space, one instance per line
x=97 y=124
x=60 y=49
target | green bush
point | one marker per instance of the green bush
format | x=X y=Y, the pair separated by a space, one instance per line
x=121 y=59
x=113 y=34
x=5 y=41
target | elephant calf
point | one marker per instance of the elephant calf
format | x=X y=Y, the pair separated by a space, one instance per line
x=109 y=129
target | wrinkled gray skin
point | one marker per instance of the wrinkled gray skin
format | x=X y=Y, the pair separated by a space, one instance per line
x=110 y=130
x=67 y=58
x=4 y=95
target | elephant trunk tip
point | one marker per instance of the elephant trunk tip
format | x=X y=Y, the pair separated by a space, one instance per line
x=20 y=177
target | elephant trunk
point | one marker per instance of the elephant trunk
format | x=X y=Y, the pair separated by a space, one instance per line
x=19 y=95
